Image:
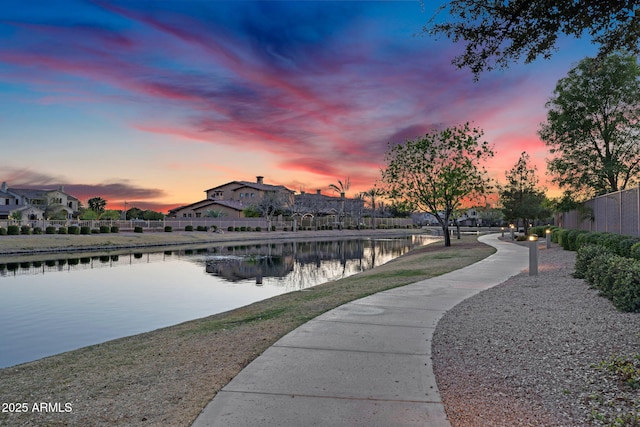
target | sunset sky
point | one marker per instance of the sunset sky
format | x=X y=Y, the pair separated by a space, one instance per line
x=154 y=102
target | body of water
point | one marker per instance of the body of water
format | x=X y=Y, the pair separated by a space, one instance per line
x=53 y=306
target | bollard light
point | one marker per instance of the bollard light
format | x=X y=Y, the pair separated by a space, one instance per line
x=512 y=228
x=533 y=255
x=502 y=230
x=547 y=232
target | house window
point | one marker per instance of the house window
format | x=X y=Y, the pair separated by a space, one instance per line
x=241 y=195
x=252 y=195
x=6 y=201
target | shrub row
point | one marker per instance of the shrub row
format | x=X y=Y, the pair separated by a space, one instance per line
x=202 y=228
x=608 y=262
x=231 y=228
x=14 y=230
x=573 y=240
x=616 y=277
x=25 y=229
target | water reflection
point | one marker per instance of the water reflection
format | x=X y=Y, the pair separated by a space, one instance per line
x=55 y=305
x=243 y=262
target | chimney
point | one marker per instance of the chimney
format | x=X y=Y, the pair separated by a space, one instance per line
x=4 y=186
x=318 y=192
x=259 y=179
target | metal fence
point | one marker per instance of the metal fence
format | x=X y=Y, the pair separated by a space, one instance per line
x=617 y=212
x=220 y=223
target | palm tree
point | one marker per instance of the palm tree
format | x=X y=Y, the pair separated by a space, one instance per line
x=371 y=194
x=97 y=204
x=341 y=187
x=210 y=213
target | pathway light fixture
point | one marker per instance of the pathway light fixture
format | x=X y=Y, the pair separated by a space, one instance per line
x=533 y=254
x=547 y=232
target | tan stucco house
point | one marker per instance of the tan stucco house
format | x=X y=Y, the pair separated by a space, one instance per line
x=232 y=198
x=36 y=204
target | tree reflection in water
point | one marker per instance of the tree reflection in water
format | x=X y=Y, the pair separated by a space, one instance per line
x=294 y=265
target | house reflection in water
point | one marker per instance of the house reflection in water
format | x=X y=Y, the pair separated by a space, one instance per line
x=235 y=269
x=303 y=259
x=295 y=265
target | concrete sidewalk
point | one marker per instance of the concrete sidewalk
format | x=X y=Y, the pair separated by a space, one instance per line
x=366 y=363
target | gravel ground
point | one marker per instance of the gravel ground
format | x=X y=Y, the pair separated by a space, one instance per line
x=529 y=352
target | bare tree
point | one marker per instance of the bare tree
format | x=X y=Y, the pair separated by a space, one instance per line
x=271 y=204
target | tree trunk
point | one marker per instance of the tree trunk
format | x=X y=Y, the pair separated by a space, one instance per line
x=447 y=237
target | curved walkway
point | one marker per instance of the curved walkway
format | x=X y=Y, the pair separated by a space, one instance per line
x=365 y=363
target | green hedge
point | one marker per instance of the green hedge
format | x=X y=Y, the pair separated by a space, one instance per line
x=625 y=245
x=608 y=262
x=584 y=258
x=626 y=289
x=188 y=228
x=73 y=229
x=634 y=251
x=616 y=277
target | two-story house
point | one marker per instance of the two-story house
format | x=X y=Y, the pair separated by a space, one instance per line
x=232 y=198
x=318 y=204
x=36 y=204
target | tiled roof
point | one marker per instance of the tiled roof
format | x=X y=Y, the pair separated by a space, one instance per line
x=27 y=192
x=233 y=204
x=263 y=187
x=255 y=185
x=35 y=193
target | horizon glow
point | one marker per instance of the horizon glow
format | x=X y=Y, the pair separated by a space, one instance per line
x=155 y=102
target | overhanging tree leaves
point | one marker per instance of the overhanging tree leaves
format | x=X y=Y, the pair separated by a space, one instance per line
x=497 y=32
x=520 y=197
x=438 y=172
x=593 y=125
